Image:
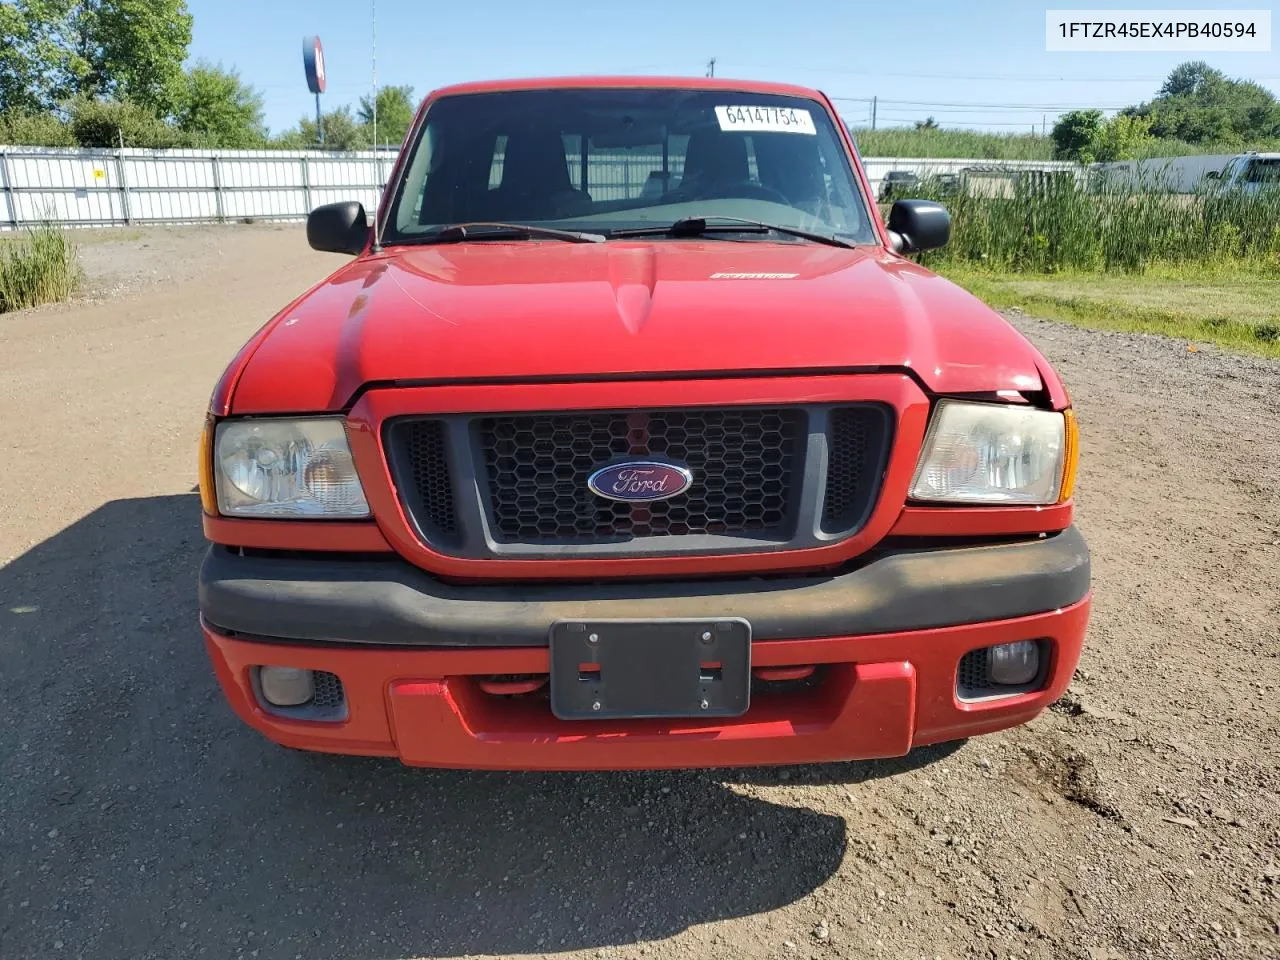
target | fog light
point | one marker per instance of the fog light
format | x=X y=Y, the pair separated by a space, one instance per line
x=1013 y=664
x=286 y=686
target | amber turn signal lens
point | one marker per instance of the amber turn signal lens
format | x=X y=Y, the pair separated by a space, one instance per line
x=208 y=496
x=1071 y=455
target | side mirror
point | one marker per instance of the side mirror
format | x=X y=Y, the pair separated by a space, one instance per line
x=1213 y=175
x=338 y=227
x=916 y=225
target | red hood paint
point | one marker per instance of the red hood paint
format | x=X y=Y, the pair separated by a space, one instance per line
x=538 y=309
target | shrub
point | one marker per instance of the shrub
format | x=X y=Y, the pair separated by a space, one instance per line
x=102 y=123
x=34 y=130
x=41 y=267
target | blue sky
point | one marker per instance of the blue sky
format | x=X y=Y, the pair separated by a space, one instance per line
x=936 y=57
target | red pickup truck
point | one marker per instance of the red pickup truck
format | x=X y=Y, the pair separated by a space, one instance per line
x=632 y=438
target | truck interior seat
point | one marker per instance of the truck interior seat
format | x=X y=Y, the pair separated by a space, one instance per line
x=535 y=180
x=713 y=161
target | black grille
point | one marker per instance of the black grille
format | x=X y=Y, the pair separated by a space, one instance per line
x=856 y=447
x=328 y=695
x=745 y=464
x=517 y=484
x=972 y=677
x=421 y=463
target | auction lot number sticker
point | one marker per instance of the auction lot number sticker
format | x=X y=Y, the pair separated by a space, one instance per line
x=760 y=119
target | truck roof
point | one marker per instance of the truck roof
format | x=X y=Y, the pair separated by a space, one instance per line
x=586 y=82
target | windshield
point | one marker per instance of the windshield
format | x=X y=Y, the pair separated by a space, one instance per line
x=1263 y=170
x=601 y=160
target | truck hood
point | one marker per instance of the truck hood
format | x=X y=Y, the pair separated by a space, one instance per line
x=534 y=309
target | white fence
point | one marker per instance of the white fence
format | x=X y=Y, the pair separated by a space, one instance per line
x=105 y=187
x=113 y=187
x=878 y=167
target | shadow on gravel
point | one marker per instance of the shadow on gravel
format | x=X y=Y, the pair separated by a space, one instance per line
x=142 y=819
x=848 y=774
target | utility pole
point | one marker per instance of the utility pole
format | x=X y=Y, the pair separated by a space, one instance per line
x=711 y=67
x=873 y=112
x=374 y=5
x=1044 y=123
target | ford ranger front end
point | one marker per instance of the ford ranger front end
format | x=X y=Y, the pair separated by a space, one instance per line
x=630 y=438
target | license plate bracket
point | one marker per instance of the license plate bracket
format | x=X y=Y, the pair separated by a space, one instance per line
x=649 y=669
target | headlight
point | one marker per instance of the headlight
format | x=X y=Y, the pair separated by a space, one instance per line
x=286 y=468
x=988 y=453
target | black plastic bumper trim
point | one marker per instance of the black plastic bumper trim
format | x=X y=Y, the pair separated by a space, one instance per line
x=391 y=602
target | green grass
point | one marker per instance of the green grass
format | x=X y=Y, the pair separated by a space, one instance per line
x=979 y=145
x=1236 y=306
x=1044 y=223
x=1204 y=267
x=40 y=267
x=968 y=144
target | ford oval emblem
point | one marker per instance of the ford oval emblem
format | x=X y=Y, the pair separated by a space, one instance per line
x=639 y=481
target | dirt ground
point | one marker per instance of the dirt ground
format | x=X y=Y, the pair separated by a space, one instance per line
x=138 y=818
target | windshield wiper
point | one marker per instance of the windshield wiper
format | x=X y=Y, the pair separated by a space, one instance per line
x=496 y=230
x=697 y=226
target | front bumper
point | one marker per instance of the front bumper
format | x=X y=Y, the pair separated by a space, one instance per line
x=411 y=651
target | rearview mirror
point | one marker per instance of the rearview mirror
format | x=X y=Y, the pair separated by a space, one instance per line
x=631 y=135
x=338 y=227
x=916 y=225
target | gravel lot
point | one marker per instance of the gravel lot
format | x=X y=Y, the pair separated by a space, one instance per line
x=1138 y=818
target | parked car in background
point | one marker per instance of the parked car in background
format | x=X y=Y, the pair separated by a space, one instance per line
x=1247 y=171
x=896 y=184
x=942 y=185
x=1250 y=172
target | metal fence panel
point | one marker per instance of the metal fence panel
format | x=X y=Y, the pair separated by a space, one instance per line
x=114 y=187
x=73 y=187
x=878 y=167
x=109 y=187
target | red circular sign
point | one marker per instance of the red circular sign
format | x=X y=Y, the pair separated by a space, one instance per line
x=313 y=61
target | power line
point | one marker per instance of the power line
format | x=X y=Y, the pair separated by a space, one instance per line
x=1022 y=77
x=1000 y=106
x=1004 y=111
x=963 y=124
x=984 y=106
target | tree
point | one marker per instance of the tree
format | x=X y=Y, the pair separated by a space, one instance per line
x=53 y=50
x=1120 y=138
x=1075 y=134
x=107 y=123
x=40 y=63
x=1200 y=104
x=1191 y=79
x=395 y=113
x=135 y=49
x=927 y=124
x=341 y=132
x=218 y=109
x=1085 y=136
x=35 y=129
